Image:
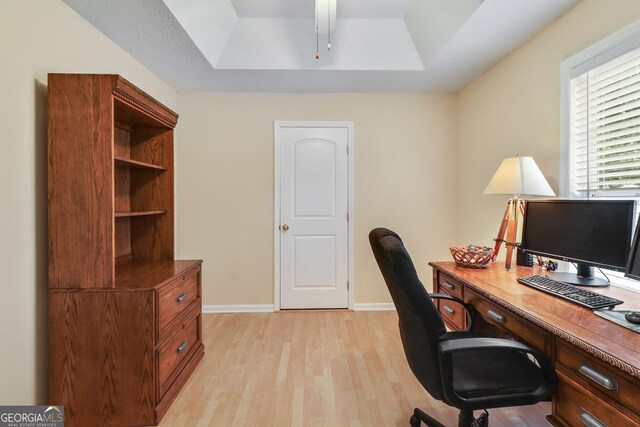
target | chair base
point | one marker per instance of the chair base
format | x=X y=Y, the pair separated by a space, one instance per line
x=465 y=419
x=419 y=416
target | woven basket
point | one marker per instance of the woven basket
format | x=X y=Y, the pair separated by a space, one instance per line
x=471 y=259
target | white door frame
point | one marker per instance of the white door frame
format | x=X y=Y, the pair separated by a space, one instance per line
x=277 y=125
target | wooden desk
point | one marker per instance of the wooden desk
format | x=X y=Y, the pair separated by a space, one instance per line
x=597 y=362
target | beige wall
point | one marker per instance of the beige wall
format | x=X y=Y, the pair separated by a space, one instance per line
x=405 y=179
x=38 y=37
x=515 y=109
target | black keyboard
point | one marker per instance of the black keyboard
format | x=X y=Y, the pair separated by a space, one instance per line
x=574 y=294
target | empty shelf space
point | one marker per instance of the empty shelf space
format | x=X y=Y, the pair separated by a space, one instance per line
x=138 y=213
x=123 y=162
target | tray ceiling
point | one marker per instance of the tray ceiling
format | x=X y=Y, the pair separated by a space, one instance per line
x=270 y=45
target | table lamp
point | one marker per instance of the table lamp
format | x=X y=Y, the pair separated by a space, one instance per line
x=516 y=176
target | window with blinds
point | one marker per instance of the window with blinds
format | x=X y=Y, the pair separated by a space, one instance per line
x=600 y=114
x=605 y=129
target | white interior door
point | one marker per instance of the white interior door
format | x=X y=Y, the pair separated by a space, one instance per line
x=314 y=237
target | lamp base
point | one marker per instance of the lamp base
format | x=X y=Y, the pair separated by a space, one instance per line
x=509 y=226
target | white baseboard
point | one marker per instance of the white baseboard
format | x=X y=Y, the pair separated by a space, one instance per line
x=268 y=308
x=244 y=308
x=374 y=306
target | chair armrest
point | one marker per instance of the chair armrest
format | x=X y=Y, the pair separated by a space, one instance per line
x=450 y=347
x=468 y=307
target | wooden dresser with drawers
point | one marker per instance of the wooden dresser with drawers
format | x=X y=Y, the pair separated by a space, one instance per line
x=125 y=317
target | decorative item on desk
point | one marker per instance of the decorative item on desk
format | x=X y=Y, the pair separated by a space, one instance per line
x=516 y=176
x=472 y=256
x=549 y=265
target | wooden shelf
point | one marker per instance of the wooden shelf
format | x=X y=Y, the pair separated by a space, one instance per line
x=122 y=162
x=138 y=213
x=132 y=303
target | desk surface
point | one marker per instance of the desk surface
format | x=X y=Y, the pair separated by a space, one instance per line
x=579 y=326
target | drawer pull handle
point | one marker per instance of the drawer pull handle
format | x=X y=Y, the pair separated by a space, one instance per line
x=599 y=377
x=589 y=420
x=496 y=316
x=449 y=310
x=182 y=347
x=182 y=297
x=448 y=286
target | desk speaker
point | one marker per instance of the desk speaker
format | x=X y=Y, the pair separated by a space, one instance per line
x=524 y=259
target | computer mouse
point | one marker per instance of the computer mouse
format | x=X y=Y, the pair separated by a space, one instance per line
x=633 y=317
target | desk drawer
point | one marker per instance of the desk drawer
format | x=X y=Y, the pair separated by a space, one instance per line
x=176 y=297
x=176 y=351
x=452 y=312
x=449 y=286
x=504 y=319
x=578 y=407
x=597 y=376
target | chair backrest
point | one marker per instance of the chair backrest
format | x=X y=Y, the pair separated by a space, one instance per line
x=421 y=326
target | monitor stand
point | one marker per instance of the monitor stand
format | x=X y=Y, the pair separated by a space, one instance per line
x=583 y=277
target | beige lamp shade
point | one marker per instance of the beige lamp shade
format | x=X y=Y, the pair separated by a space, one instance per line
x=519 y=176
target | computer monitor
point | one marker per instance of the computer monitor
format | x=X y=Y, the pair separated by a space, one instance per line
x=590 y=233
x=633 y=263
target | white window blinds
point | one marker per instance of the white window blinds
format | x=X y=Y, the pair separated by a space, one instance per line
x=605 y=129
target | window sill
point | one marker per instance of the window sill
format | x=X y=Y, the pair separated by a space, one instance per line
x=618 y=280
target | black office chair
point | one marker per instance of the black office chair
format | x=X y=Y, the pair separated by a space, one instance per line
x=466 y=370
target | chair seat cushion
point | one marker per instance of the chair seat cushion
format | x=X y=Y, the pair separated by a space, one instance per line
x=479 y=373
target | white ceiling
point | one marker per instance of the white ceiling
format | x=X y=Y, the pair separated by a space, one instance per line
x=270 y=45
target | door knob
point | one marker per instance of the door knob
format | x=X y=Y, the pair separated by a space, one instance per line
x=285 y=227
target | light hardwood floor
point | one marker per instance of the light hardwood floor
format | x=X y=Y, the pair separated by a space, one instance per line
x=311 y=368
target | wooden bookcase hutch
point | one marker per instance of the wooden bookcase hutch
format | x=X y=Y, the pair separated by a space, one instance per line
x=125 y=318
